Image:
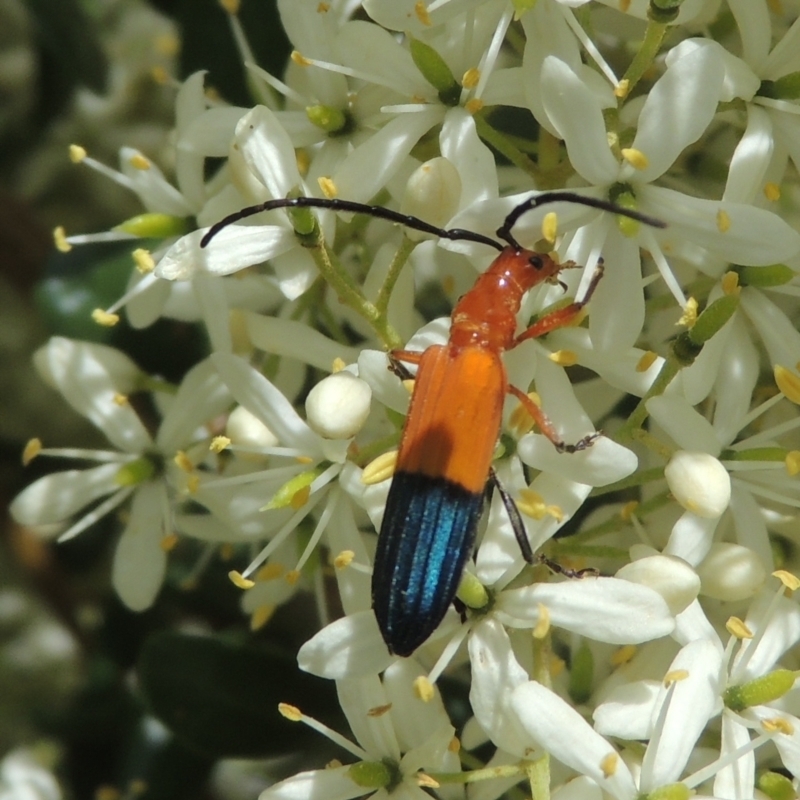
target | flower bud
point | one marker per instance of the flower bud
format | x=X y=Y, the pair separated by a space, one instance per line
x=338 y=406
x=670 y=576
x=245 y=428
x=432 y=194
x=699 y=483
x=731 y=572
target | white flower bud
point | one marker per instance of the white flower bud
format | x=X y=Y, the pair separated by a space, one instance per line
x=731 y=572
x=699 y=482
x=670 y=576
x=338 y=406
x=432 y=193
x=245 y=428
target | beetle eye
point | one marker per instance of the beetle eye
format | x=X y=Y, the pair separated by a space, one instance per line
x=536 y=262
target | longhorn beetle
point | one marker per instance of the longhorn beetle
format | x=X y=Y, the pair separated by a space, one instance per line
x=444 y=462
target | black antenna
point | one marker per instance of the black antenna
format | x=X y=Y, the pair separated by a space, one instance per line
x=334 y=204
x=545 y=198
x=453 y=234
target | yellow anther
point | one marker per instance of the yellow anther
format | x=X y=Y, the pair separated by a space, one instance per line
x=778 y=725
x=292 y=577
x=32 y=449
x=183 y=462
x=239 y=581
x=159 y=75
x=261 y=616
x=303 y=161
x=609 y=764
x=730 y=283
x=60 y=240
x=120 y=399
x=379 y=711
x=105 y=318
x=550 y=227
x=564 y=358
x=408 y=385
x=167 y=45
x=470 y=78
x=304 y=459
x=107 y=793
x=323 y=8
x=344 y=559
x=423 y=689
x=627 y=512
x=473 y=106
x=646 y=361
x=689 y=316
x=231 y=6
x=792 y=462
x=338 y=365
x=788 y=382
x=143 y=260
x=76 y=153
x=531 y=504
x=542 y=626
x=675 y=675
x=636 y=158
x=427 y=781
x=138 y=161
x=193 y=483
x=270 y=572
x=299 y=59
x=557 y=666
x=328 y=187
x=723 y=221
x=292 y=713
x=623 y=655
x=738 y=629
x=455 y=745
x=622 y=88
x=219 y=443
x=380 y=469
x=168 y=542
x=772 y=191
x=421 y=10
x=624 y=5
x=791 y=582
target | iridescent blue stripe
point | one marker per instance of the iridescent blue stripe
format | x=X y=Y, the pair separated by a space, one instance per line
x=426 y=538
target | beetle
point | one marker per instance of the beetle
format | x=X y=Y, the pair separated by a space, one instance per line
x=444 y=461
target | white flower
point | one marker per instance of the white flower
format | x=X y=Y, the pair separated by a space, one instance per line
x=683 y=709
x=95 y=380
x=398 y=734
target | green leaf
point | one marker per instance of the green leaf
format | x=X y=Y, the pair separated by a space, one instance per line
x=220 y=697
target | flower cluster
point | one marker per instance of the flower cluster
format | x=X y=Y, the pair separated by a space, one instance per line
x=650 y=653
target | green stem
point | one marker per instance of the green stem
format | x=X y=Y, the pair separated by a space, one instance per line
x=669 y=370
x=398 y=262
x=612 y=525
x=348 y=291
x=476 y=775
x=505 y=147
x=644 y=59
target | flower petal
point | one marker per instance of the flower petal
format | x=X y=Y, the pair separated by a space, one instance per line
x=603 y=609
x=140 y=562
x=348 y=648
x=565 y=734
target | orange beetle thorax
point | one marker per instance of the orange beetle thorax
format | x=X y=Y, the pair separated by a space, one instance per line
x=486 y=316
